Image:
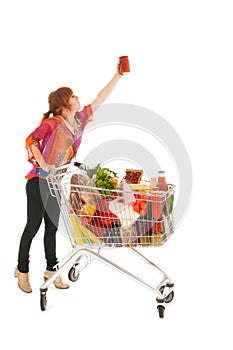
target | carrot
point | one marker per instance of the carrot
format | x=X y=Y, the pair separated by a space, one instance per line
x=136 y=208
x=143 y=204
x=142 y=212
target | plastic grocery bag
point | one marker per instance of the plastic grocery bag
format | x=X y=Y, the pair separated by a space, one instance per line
x=124 y=212
x=122 y=206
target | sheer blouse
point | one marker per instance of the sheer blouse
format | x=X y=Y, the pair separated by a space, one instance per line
x=56 y=142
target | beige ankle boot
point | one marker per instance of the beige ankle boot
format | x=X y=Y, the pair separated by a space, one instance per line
x=57 y=282
x=23 y=281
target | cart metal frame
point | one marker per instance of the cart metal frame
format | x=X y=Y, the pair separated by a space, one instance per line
x=80 y=256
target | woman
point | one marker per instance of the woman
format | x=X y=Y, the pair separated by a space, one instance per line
x=54 y=143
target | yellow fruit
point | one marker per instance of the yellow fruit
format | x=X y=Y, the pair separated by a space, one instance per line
x=114 y=181
x=89 y=209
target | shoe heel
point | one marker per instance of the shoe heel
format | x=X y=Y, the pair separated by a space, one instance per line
x=45 y=278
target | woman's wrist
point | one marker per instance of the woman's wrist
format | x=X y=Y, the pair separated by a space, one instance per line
x=45 y=168
x=43 y=164
x=49 y=168
x=119 y=75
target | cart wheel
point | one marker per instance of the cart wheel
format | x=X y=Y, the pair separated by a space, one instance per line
x=73 y=275
x=43 y=300
x=161 y=309
x=169 y=297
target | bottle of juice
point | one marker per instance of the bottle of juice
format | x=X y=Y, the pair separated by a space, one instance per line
x=156 y=203
x=163 y=187
x=157 y=226
x=162 y=183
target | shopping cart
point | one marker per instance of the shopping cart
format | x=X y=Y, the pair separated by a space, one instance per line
x=96 y=219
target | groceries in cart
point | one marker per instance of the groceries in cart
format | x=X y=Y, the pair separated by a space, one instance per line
x=120 y=212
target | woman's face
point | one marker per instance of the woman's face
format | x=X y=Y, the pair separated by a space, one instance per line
x=74 y=103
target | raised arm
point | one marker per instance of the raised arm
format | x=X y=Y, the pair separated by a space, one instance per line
x=106 y=91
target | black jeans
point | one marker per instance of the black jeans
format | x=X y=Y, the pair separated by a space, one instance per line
x=40 y=205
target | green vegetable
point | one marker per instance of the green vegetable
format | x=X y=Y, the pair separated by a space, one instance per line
x=103 y=181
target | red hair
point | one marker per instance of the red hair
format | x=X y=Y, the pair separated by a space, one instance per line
x=57 y=100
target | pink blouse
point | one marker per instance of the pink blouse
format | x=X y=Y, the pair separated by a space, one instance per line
x=57 y=144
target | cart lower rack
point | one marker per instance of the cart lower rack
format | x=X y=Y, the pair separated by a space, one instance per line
x=96 y=219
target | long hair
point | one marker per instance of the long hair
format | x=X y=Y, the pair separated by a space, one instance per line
x=57 y=100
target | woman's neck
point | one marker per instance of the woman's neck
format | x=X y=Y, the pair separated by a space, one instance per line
x=69 y=115
x=70 y=121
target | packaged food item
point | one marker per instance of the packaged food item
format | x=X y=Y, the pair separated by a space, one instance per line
x=156 y=239
x=143 y=226
x=79 y=194
x=145 y=240
x=156 y=201
x=145 y=188
x=112 y=235
x=163 y=188
x=133 y=176
x=129 y=236
x=161 y=182
x=89 y=208
x=103 y=216
x=124 y=64
x=170 y=200
x=157 y=227
x=153 y=182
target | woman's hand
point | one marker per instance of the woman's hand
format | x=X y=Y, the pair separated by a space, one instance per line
x=118 y=70
x=49 y=168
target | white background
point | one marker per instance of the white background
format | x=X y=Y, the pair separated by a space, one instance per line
x=181 y=67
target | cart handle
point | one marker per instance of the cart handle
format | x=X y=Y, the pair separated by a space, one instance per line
x=43 y=173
